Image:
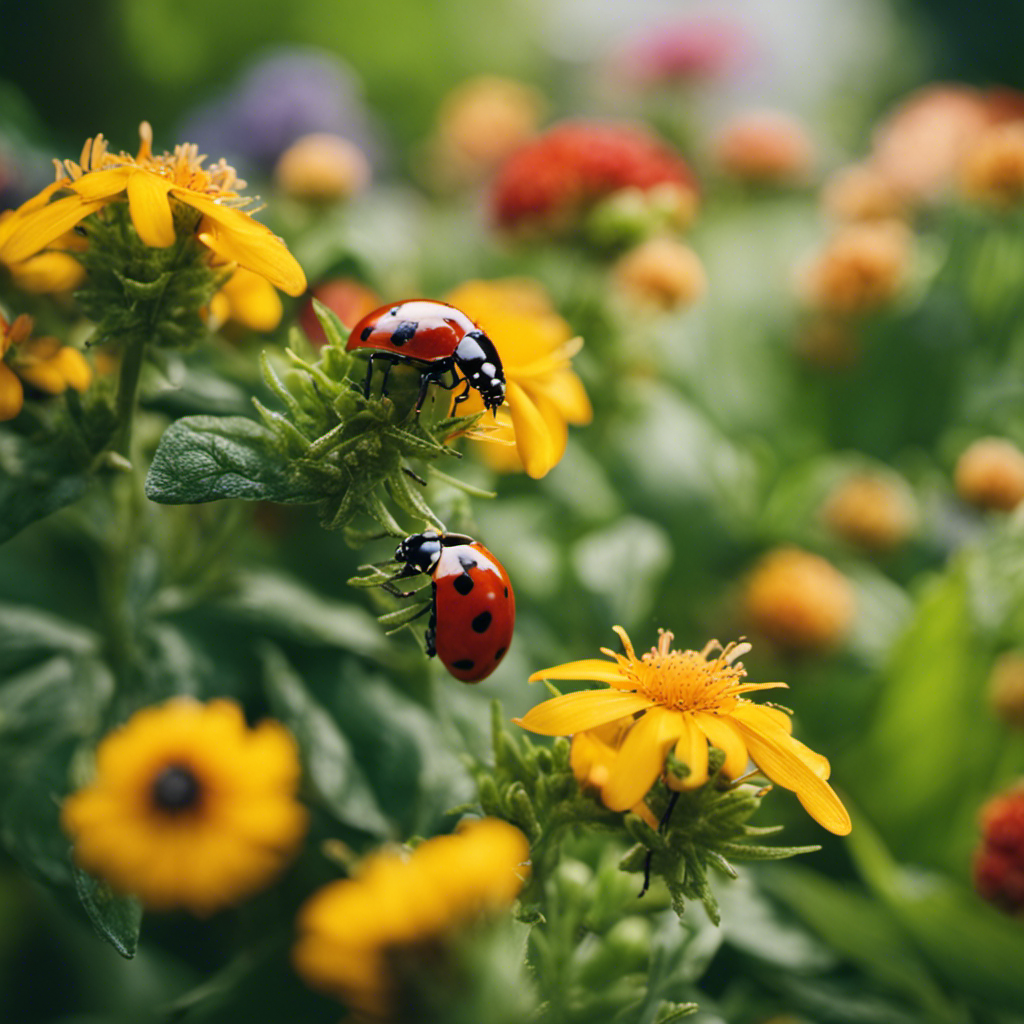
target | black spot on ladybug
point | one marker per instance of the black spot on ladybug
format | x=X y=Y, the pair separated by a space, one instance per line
x=463 y=664
x=500 y=653
x=506 y=593
x=366 y=332
x=463 y=584
x=482 y=622
x=403 y=333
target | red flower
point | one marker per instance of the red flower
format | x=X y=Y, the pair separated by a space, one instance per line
x=552 y=180
x=999 y=861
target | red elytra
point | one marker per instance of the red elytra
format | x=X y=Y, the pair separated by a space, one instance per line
x=473 y=606
x=439 y=340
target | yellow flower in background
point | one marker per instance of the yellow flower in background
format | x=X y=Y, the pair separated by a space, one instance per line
x=46 y=271
x=158 y=188
x=684 y=700
x=353 y=932
x=543 y=394
x=43 y=362
x=190 y=807
x=247 y=299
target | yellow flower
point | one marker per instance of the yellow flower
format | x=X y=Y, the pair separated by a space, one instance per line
x=247 y=299
x=686 y=700
x=875 y=511
x=990 y=474
x=190 y=807
x=543 y=394
x=353 y=932
x=322 y=168
x=157 y=188
x=47 y=271
x=43 y=362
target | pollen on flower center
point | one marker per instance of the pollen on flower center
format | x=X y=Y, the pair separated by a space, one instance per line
x=688 y=680
x=176 y=789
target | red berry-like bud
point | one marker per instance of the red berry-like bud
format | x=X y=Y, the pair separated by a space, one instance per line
x=999 y=860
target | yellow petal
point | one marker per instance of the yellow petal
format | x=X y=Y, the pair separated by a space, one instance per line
x=577 y=712
x=12 y=394
x=150 y=209
x=566 y=391
x=533 y=438
x=773 y=752
x=48 y=272
x=41 y=227
x=641 y=758
x=44 y=375
x=236 y=238
x=102 y=185
x=71 y=365
x=597 y=669
x=254 y=302
x=723 y=734
x=692 y=750
x=558 y=429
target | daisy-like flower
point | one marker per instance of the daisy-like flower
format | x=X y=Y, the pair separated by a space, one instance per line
x=685 y=700
x=550 y=182
x=42 y=362
x=355 y=934
x=543 y=394
x=190 y=807
x=160 y=189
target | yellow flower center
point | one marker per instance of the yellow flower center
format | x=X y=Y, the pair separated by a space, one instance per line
x=183 y=167
x=686 y=680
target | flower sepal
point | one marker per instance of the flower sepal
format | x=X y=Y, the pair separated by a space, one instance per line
x=701 y=831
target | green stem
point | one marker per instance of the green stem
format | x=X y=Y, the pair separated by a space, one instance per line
x=127 y=395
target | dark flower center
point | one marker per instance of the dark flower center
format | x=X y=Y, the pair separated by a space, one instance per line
x=176 y=788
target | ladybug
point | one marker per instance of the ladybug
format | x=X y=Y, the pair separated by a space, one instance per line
x=438 y=340
x=472 y=606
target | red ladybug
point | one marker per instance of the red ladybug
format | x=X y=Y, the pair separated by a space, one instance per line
x=436 y=338
x=472 y=607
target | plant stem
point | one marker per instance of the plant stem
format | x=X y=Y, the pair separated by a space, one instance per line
x=127 y=395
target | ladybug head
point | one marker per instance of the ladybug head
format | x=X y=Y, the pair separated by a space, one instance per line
x=478 y=360
x=421 y=550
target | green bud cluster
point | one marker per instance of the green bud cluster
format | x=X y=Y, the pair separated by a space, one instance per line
x=139 y=294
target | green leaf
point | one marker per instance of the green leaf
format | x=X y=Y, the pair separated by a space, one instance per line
x=117 y=919
x=28 y=634
x=974 y=947
x=208 y=458
x=37 y=477
x=862 y=931
x=331 y=767
x=279 y=605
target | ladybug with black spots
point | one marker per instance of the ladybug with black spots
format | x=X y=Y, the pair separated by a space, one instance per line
x=436 y=338
x=472 y=606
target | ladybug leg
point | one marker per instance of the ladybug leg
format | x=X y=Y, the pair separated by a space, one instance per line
x=369 y=376
x=388 y=364
x=425 y=382
x=431 y=634
x=465 y=393
x=662 y=825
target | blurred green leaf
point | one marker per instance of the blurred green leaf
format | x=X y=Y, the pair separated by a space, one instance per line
x=208 y=458
x=117 y=919
x=332 y=769
x=975 y=948
x=862 y=931
x=28 y=634
x=281 y=606
x=921 y=771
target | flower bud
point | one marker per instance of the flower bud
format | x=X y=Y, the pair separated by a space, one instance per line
x=661 y=273
x=999 y=859
x=872 y=511
x=799 y=601
x=860 y=193
x=322 y=168
x=1006 y=688
x=990 y=474
x=861 y=269
x=993 y=170
x=764 y=147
